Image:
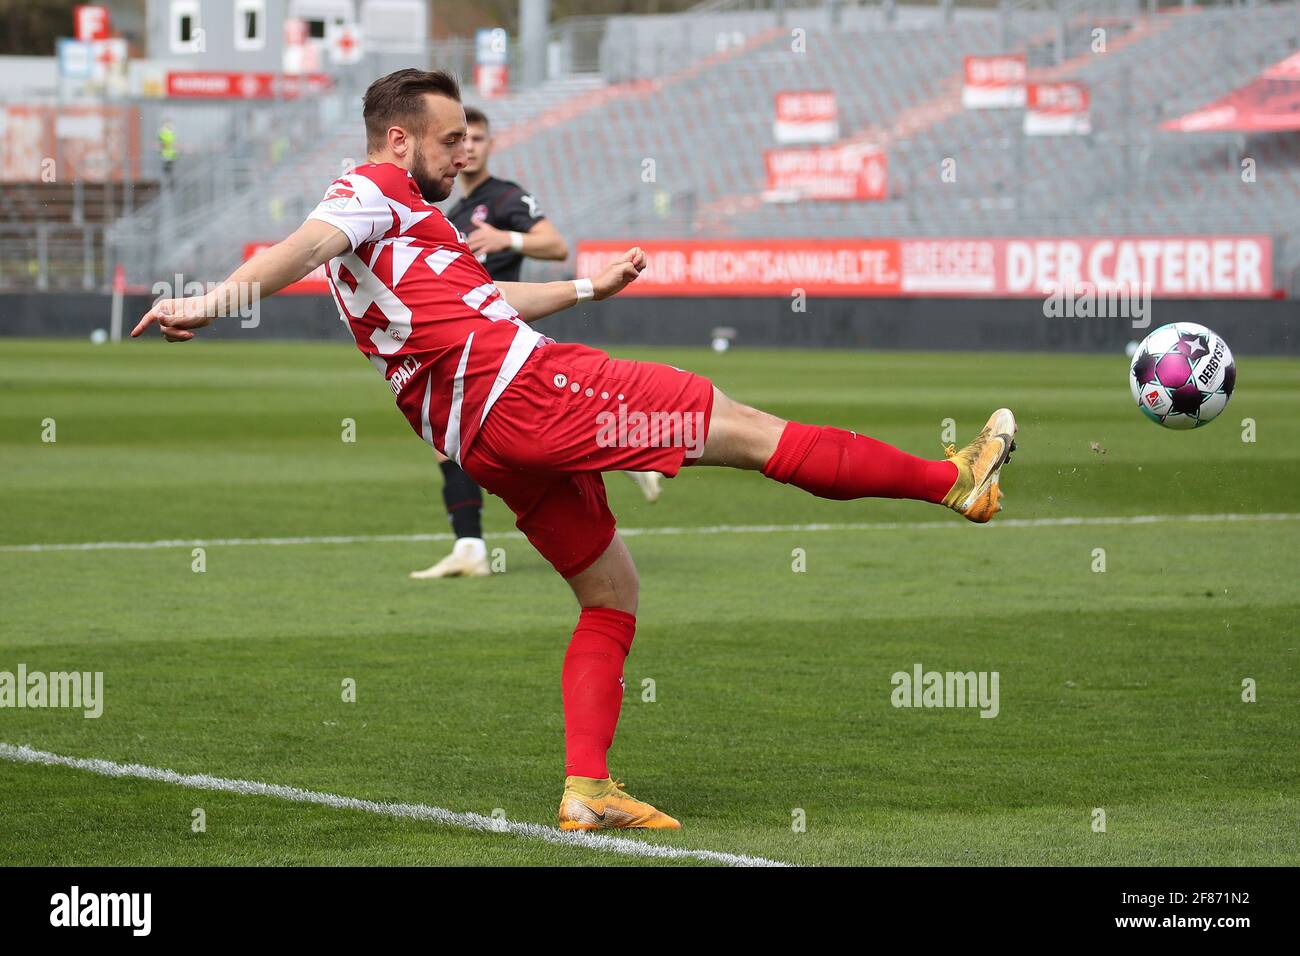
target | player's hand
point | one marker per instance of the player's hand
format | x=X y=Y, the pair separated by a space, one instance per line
x=486 y=240
x=619 y=273
x=176 y=318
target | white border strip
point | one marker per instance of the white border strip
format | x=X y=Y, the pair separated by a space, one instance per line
x=407 y=811
x=951 y=523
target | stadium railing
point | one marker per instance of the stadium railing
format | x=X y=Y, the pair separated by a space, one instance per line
x=50 y=256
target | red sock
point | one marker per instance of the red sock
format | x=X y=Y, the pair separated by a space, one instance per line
x=593 y=688
x=832 y=463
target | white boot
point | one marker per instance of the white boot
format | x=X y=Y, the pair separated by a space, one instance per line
x=648 y=482
x=468 y=559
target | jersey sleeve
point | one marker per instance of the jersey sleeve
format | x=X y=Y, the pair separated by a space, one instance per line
x=521 y=212
x=357 y=207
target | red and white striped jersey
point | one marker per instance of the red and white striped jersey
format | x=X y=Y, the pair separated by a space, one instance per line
x=421 y=306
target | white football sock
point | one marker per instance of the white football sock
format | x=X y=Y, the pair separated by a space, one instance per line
x=475 y=548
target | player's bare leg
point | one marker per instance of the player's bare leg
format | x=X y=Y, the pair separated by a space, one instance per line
x=833 y=463
x=593 y=694
x=611 y=581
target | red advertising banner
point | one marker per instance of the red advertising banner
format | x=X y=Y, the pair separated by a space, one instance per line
x=1193 y=267
x=314 y=283
x=994 y=82
x=243 y=86
x=950 y=267
x=755 y=267
x=1268 y=104
x=491 y=79
x=1057 y=109
x=831 y=172
x=492 y=62
x=806 y=116
x=1190 y=267
x=91 y=23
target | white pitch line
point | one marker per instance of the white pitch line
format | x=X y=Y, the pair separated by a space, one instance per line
x=949 y=524
x=406 y=811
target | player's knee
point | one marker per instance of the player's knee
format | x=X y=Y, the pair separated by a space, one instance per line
x=623 y=588
x=611 y=581
x=741 y=436
x=621 y=592
x=627 y=594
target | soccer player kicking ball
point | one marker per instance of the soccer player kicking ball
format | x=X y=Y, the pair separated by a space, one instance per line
x=535 y=421
x=503 y=226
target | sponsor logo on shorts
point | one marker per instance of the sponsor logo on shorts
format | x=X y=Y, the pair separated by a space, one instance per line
x=659 y=429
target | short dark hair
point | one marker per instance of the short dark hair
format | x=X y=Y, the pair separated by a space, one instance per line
x=475 y=115
x=398 y=99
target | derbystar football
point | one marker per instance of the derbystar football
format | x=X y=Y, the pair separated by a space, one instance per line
x=1182 y=375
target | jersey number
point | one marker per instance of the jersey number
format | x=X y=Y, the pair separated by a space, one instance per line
x=371 y=291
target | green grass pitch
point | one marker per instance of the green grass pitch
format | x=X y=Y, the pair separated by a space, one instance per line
x=1120 y=690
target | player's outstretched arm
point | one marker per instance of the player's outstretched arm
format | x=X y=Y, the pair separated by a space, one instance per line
x=536 y=300
x=284 y=263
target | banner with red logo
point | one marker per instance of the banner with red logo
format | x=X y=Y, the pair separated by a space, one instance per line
x=849 y=172
x=91 y=23
x=492 y=62
x=1268 y=104
x=806 y=116
x=314 y=283
x=1189 y=267
x=243 y=86
x=994 y=82
x=755 y=267
x=346 y=44
x=1194 y=267
x=1057 y=109
x=491 y=80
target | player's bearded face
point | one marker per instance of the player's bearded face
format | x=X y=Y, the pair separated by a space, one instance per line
x=431 y=179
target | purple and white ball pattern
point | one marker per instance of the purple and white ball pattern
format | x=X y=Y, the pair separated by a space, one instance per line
x=1182 y=375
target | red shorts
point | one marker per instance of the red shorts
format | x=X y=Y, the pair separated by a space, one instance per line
x=571 y=413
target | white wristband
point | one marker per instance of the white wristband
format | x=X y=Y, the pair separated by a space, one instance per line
x=517 y=241
x=584 y=290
